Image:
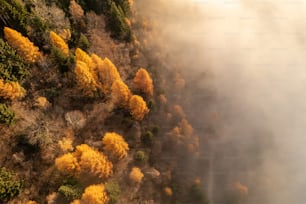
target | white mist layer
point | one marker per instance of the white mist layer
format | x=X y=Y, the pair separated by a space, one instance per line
x=256 y=51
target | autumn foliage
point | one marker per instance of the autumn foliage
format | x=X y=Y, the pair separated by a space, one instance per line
x=138 y=107
x=136 y=175
x=94 y=194
x=143 y=82
x=58 y=42
x=25 y=48
x=67 y=163
x=85 y=160
x=107 y=74
x=115 y=145
x=120 y=93
x=85 y=78
x=11 y=90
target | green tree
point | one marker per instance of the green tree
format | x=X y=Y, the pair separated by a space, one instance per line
x=10 y=185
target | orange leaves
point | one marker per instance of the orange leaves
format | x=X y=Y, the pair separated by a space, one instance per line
x=58 y=42
x=23 y=45
x=115 y=145
x=95 y=194
x=11 y=90
x=107 y=74
x=93 y=161
x=143 y=82
x=67 y=163
x=136 y=175
x=120 y=93
x=85 y=159
x=138 y=107
x=85 y=78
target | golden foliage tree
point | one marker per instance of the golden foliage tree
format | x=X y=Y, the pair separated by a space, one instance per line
x=23 y=45
x=136 y=175
x=90 y=160
x=85 y=78
x=138 y=107
x=115 y=144
x=67 y=163
x=107 y=74
x=120 y=93
x=58 y=42
x=11 y=90
x=94 y=194
x=143 y=82
x=81 y=55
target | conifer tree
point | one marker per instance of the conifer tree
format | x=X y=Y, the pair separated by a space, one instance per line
x=93 y=194
x=143 y=82
x=138 y=107
x=58 y=42
x=25 y=48
x=115 y=144
x=84 y=77
x=11 y=90
x=120 y=93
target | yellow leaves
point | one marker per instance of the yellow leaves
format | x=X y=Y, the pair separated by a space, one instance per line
x=41 y=102
x=136 y=175
x=80 y=55
x=85 y=78
x=107 y=73
x=120 y=93
x=66 y=144
x=85 y=160
x=168 y=191
x=11 y=90
x=115 y=145
x=90 y=160
x=67 y=163
x=143 y=82
x=58 y=42
x=23 y=45
x=138 y=107
x=94 y=194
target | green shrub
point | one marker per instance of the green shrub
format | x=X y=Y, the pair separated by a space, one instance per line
x=61 y=60
x=7 y=116
x=12 y=66
x=13 y=15
x=10 y=185
x=117 y=24
x=148 y=138
x=16 y=16
x=155 y=129
x=83 y=43
x=113 y=190
x=141 y=157
x=70 y=192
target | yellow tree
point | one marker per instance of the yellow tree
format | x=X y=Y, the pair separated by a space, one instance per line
x=23 y=45
x=143 y=82
x=138 y=107
x=94 y=194
x=136 y=175
x=90 y=160
x=81 y=55
x=11 y=90
x=115 y=144
x=120 y=93
x=58 y=42
x=107 y=74
x=85 y=78
x=67 y=163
